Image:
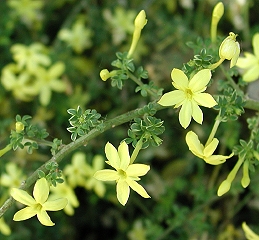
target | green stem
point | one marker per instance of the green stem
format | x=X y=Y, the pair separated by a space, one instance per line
x=5 y=150
x=136 y=150
x=213 y=131
x=138 y=82
x=82 y=141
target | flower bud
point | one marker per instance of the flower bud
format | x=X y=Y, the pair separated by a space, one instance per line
x=230 y=49
x=19 y=127
x=245 y=179
x=218 y=11
x=224 y=187
x=140 y=20
x=105 y=74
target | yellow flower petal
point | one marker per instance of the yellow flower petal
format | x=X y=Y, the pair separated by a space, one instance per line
x=247 y=61
x=106 y=175
x=123 y=192
x=55 y=205
x=200 y=80
x=197 y=113
x=251 y=74
x=41 y=190
x=123 y=151
x=138 y=188
x=24 y=214
x=250 y=235
x=112 y=155
x=205 y=100
x=255 y=43
x=172 y=98
x=185 y=114
x=236 y=55
x=137 y=169
x=194 y=144
x=180 y=79
x=44 y=218
x=211 y=147
x=22 y=197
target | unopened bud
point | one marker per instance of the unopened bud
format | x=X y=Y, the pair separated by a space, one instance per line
x=230 y=49
x=105 y=74
x=218 y=11
x=19 y=127
x=140 y=20
x=224 y=187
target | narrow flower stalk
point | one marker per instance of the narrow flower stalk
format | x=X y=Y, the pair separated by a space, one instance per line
x=140 y=22
x=5 y=150
x=136 y=151
x=218 y=12
x=226 y=184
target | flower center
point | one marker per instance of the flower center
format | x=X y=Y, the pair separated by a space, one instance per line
x=188 y=93
x=122 y=174
x=38 y=207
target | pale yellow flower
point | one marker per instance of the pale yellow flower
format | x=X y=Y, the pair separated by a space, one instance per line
x=91 y=182
x=250 y=63
x=76 y=172
x=65 y=191
x=21 y=84
x=205 y=152
x=37 y=205
x=78 y=37
x=250 y=235
x=13 y=176
x=125 y=174
x=27 y=10
x=49 y=80
x=30 y=57
x=189 y=95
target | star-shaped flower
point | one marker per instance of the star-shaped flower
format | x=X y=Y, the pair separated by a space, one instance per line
x=125 y=174
x=37 y=205
x=189 y=95
x=205 y=152
x=250 y=63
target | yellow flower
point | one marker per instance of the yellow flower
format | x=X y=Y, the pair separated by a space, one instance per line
x=20 y=84
x=37 y=205
x=27 y=10
x=49 y=80
x=78 y=37
x=205 y=153
x=65 y=191
x=250 y=63
x=91 y=182
x=125 y=174
x=230 y=49
x=4 y=228
x=77 y=171
x=31 y=56
x=189 y=95
x=13 y=176
x=250 y=235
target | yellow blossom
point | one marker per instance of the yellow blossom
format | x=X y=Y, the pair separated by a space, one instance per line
x=13 y=176
x=65 y=191
x=250 y=235
x=250 y=62
x=49 y=80
x=27 y=10
x=125 y=174
x=78 y=37
x=205 y=152
x=91 y=182
x=20 y=84
x=37 y=205
x=76 y=172
x=189 y=95
x=30 y=57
